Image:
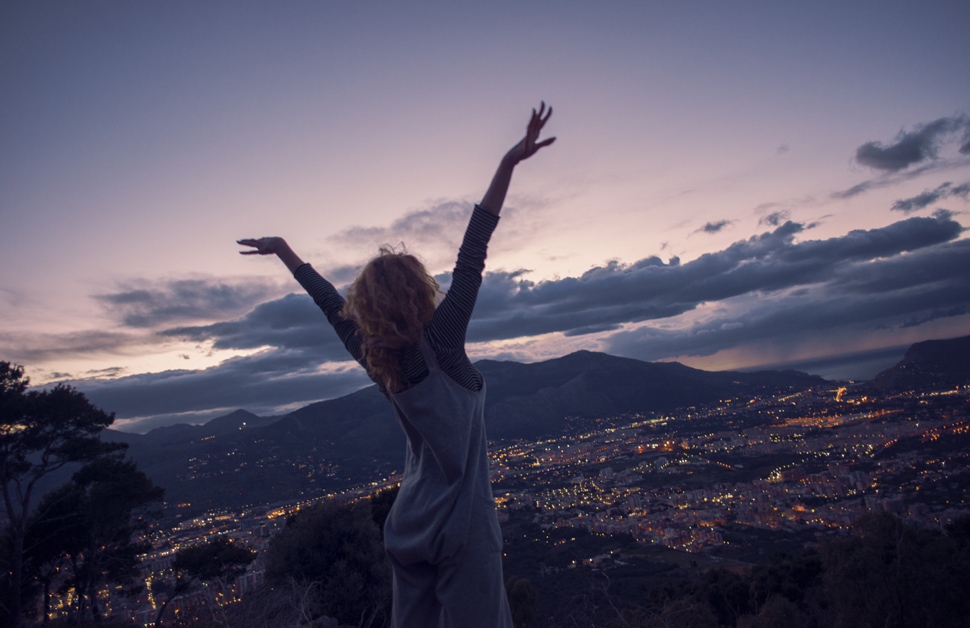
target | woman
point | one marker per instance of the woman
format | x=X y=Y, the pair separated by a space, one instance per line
x=442 y=535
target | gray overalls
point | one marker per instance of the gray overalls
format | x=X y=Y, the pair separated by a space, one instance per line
x=442 y=535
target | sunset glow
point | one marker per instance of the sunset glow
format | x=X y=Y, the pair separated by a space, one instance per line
x=733 y=185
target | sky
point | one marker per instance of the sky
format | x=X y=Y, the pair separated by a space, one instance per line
x=734 y=185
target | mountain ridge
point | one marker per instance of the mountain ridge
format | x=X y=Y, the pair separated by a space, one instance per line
x=929 y=364
x=243 y=458
x=349 y=439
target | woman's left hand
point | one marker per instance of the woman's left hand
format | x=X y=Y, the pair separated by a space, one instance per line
x=263 y=246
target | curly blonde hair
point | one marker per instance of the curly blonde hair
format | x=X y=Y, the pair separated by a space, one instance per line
x=392 y=300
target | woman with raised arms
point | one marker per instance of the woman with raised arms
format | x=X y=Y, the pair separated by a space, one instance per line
x=442 y=535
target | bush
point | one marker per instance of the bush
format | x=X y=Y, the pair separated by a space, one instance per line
x=334 y=555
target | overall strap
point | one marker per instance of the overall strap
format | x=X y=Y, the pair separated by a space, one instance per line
x=428 y=354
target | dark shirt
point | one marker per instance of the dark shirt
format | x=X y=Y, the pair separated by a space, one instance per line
x=446 y=331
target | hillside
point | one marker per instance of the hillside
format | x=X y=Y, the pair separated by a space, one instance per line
x=928 y=366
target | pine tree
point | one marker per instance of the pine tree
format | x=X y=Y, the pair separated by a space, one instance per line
x=40 y=433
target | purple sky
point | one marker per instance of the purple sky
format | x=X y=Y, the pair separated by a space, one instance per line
x=734 y=184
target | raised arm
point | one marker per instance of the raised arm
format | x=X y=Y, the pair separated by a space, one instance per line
x=450 y=322
x=273 y=246
x=495 y=196
x=322 y=291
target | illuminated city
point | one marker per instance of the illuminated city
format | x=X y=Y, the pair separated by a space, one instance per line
x=803 y=464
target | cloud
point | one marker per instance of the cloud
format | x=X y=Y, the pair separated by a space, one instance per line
x=143 y=425
x=140 y=311
x=883 y=293
x=912 y=147
x=260 y=383
x=714 y=227
x=775 y=218
x=511 y=307
x=948 y=312
x=435 y=223
x=854 y=365
x=920 y=146
x=928 y=197
x=35 y=348
x=150 y=304
x=293 y=322
x=895 y=178
x=111 y=371
x=433 y=233
x=859 y=188
x=768 y=290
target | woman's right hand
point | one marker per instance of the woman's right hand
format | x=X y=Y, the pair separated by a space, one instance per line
x=529 y=146
x=273 y=246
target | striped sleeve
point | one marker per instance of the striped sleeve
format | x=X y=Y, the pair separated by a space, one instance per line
x=329 y=300
x=448 y=327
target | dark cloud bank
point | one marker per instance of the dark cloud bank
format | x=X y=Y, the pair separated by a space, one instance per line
x=770 y=289
x=775 y=292
x=160 y=303
x=784 y=294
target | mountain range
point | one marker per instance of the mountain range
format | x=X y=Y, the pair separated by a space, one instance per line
x=242 y=458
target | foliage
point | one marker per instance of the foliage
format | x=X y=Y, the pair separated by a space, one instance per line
x=522 y=600
x=726 y=594
x=269 y=606
x=85 y=529
x=220 y=559
x=55 y=532
x=886 y=574
x=40 y=433
x=171 y=591
x=777 y=611
x=218 y=562
x=335 y=550
x=786 y=577
x=892 y=575
x=679 y=613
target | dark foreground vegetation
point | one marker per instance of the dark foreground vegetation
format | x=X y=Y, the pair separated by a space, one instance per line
x=81 y=536
x=327 y=569
x=884 y=574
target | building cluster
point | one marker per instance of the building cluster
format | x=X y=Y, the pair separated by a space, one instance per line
x=676 y=480
x=838 y=466
x=210 y=465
